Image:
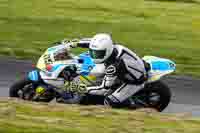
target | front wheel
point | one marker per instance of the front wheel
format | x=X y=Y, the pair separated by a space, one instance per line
x=18 y=88
x=155 y=95
x=24 y=89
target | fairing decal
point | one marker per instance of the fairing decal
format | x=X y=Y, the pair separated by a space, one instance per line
x=33 y=75
x=159 y=67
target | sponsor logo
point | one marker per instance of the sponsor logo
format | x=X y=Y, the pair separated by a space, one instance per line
x=111 y=70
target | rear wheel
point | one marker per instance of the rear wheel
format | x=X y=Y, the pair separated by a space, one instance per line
x=155 y=95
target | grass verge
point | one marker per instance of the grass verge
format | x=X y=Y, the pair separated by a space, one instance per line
x=20 y=116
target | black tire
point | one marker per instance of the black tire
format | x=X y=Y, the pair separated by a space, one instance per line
x=19 y=85
x=162 y=90
x=14 y=89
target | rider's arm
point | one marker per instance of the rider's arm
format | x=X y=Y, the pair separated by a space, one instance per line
x=82 y=43
x=98 y=90
x=109 y=80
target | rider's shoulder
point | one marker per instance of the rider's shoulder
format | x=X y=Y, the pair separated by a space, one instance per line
x=119 y=48
x=123 y=50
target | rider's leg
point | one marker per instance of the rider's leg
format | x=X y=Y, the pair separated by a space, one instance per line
x=122 y=94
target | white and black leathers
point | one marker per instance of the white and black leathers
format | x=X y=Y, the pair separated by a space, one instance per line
x=125 y=75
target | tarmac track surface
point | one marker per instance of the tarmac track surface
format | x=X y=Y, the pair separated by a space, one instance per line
x=185 y=90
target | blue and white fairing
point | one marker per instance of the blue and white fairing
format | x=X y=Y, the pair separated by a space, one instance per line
x=159 y=67
x=87 y=65
x=84 y=68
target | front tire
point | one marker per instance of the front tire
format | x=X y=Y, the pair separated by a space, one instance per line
x=25 y=90
x=17 y=86
x=158 y=89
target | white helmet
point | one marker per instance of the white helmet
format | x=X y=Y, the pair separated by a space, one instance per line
x=101 y=47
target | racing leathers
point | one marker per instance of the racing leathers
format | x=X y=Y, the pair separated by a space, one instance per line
x=125 y=75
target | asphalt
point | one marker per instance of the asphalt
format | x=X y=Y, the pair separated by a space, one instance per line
x=185 y=90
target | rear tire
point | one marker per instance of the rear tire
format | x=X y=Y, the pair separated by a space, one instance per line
x=161 y=90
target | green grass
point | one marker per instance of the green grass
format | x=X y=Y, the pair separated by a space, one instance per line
x=166 y=29
x=19 y=116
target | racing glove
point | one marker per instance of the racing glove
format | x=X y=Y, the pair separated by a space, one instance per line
x=70 y=43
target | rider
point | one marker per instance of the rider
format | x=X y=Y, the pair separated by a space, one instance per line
x=125 y=72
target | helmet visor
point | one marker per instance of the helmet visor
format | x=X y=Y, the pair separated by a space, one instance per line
x=97 y=54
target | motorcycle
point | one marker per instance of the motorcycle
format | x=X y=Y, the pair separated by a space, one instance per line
x=70 y=78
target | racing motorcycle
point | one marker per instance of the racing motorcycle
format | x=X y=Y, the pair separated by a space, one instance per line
x=70 y=78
